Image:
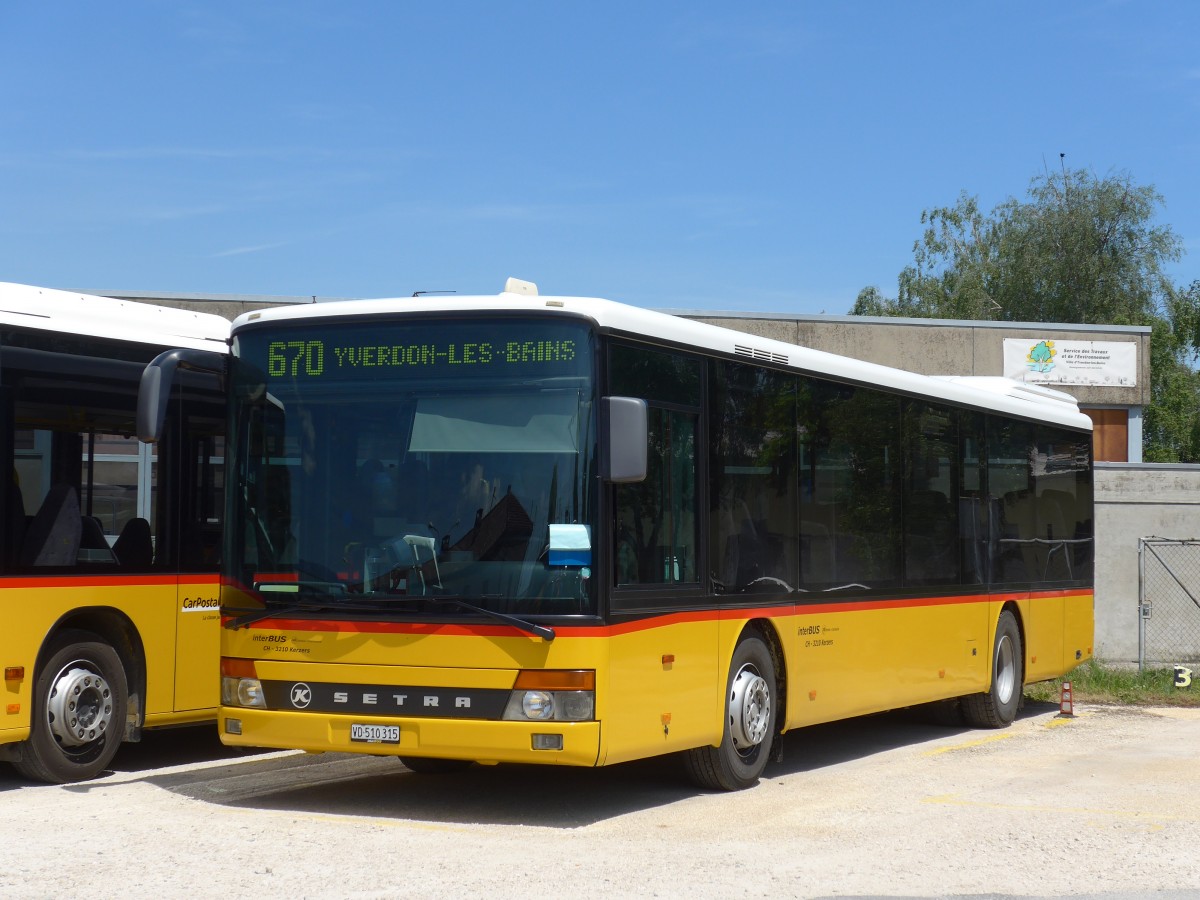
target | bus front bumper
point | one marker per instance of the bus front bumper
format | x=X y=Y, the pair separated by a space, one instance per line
x=468 y=739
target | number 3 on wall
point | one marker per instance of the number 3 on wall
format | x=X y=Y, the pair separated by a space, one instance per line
x=1183 y=677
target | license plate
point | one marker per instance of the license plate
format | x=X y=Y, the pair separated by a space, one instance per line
x=375 y=734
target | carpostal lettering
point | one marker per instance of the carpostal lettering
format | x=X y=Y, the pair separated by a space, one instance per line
x=200 y=604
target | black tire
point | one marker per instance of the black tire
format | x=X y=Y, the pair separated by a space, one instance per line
x=430 y=765
x=749 y=729
x=997 y=707
x=79 y=700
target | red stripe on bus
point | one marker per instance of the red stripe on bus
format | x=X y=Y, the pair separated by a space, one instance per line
x=648 y=623
x=61 y=581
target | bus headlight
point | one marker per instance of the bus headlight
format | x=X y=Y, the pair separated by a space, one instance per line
x=552 y=695
x=537 y=704
x=576 y=706
x=240 y=685
x=242 y=692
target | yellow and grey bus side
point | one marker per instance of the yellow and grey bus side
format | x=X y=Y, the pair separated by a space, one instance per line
x=108 y=571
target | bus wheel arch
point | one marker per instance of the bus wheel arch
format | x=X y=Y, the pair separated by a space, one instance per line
x=117 y=630
x=79 y=708
x=997 y=706
x=751 y=716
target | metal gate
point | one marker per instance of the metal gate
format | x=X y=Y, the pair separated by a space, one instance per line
x=1169 y=605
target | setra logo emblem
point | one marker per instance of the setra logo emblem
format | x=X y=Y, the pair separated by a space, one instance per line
x=301 y=695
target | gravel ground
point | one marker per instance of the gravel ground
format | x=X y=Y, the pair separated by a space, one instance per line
x=1106 y=803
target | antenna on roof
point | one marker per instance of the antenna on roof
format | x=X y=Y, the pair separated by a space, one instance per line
x=423 y=293
x=517 y=286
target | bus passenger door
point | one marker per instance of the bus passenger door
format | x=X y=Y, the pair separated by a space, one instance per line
x=196 y=460
x=197 y=643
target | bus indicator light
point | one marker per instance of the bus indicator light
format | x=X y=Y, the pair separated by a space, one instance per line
x=237 y=668
x=14 y=673
x=556 y=680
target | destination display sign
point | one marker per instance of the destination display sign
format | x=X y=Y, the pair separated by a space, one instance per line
x=448 y=348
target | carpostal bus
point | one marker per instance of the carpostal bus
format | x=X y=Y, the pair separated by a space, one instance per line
x=559 y=530
x=108 y=550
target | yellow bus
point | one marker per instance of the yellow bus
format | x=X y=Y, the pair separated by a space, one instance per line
x=108 y=550
x=560 y=530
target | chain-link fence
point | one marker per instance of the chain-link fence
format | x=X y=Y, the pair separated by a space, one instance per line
x=1169 y=605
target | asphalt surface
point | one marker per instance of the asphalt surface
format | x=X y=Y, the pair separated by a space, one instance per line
x=1103 y=804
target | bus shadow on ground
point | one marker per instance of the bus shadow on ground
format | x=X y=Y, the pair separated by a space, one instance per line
x=185 y=745
x=338 y=784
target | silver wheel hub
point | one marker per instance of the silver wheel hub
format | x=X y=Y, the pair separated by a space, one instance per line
x=1006 y=670
x=749 y=708
x=79 y=707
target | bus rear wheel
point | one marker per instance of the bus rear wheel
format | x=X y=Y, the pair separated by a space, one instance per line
x=738 y=761
x=79 y=702
x=997 y=706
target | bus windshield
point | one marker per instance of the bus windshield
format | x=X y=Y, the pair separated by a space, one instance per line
x=394 y=463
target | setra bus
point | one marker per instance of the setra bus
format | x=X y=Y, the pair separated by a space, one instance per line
x=108 y=549
x=561 y=530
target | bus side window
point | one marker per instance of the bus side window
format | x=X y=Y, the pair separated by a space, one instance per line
x=54 y=534
x=656 y=518
x=655 y=525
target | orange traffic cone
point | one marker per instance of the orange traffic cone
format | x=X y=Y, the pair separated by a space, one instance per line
x=1066 y=706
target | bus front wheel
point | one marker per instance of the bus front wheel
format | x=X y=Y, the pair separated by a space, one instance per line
x=749 y=726
x=79 y=702
x=997 y=706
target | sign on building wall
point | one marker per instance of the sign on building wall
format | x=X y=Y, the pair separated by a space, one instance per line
x=1047 y=361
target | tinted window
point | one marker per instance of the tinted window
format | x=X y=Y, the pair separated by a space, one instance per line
x=1012 y=509
x=655 y=524
x=930 y=499
x=850 y=506
x=755 y=541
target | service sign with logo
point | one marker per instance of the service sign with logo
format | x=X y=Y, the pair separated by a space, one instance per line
x=1048 y=361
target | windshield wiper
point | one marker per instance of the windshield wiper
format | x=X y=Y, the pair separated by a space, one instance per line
x=545 y=632
x=251 y=616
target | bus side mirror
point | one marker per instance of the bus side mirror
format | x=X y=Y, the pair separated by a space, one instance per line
x=157 y=380
x=628 y=438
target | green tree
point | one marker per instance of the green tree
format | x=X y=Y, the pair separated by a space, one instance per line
x=1078 y=248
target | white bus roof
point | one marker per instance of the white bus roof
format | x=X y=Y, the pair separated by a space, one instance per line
x=1011 y=398
x=67 y=312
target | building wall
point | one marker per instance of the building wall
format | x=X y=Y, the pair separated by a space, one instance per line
x=1135 y=501
x=229 y=306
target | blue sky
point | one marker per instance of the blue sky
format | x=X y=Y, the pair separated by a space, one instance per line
x=759 y=156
